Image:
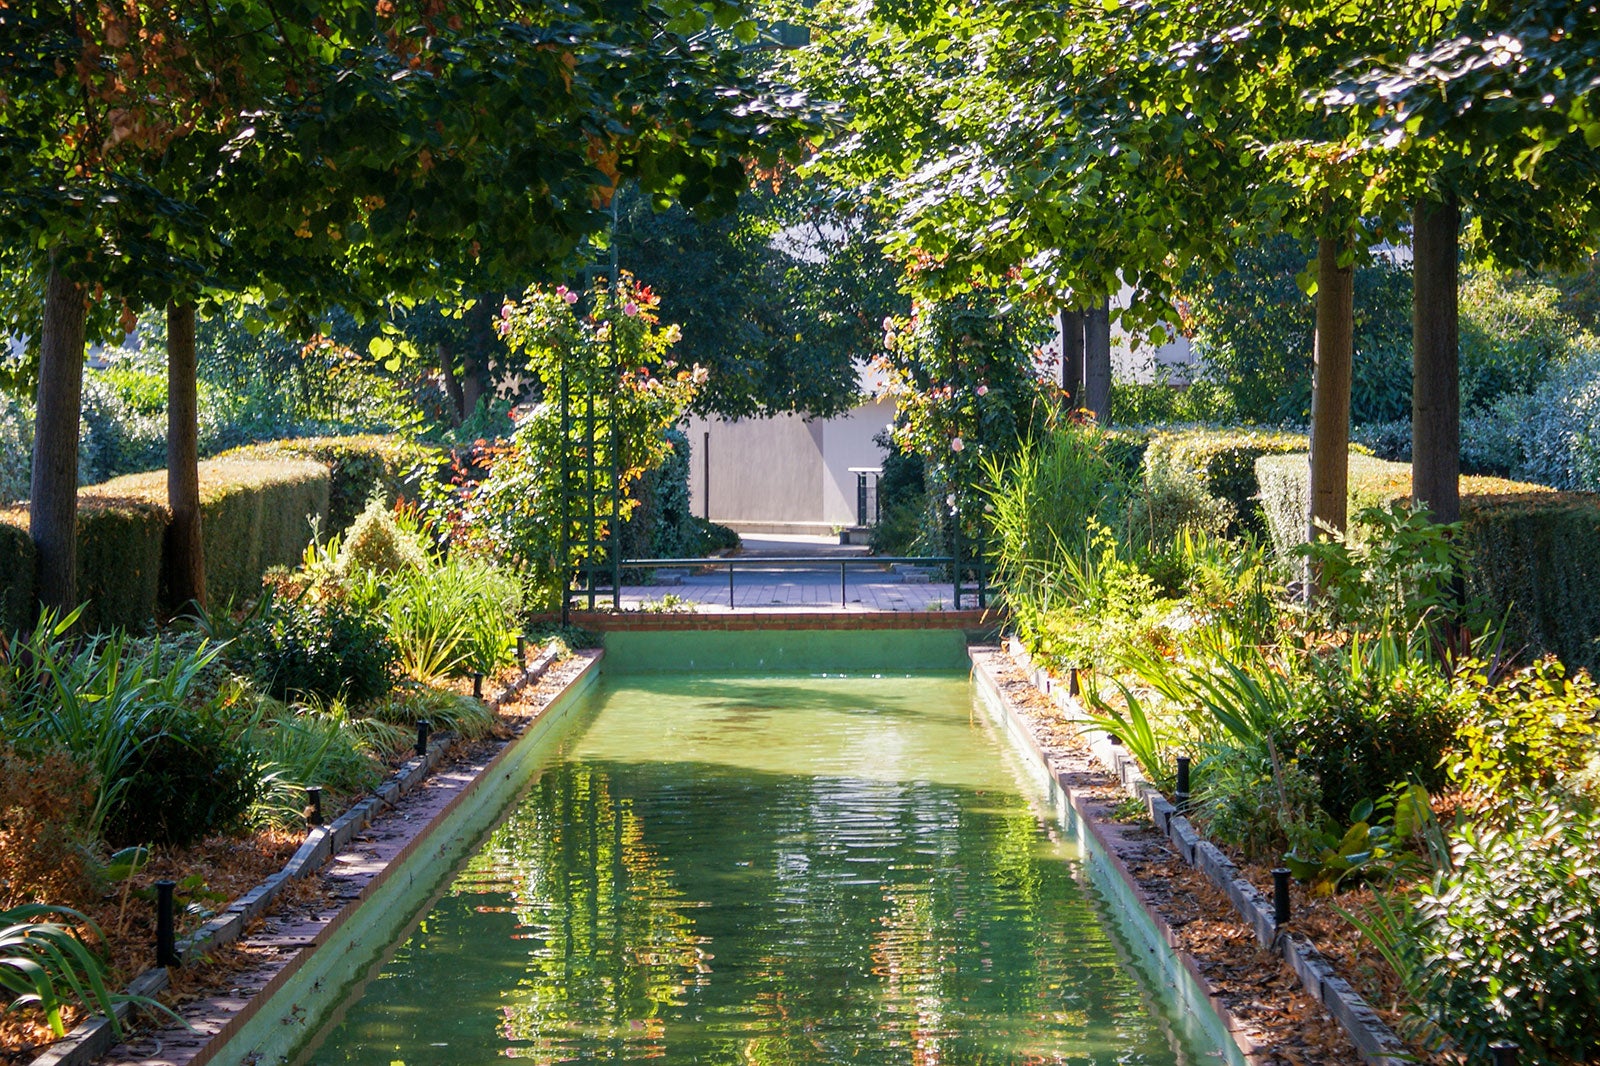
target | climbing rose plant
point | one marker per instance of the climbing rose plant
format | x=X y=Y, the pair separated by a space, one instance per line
x=616 y=356
x=968 y=378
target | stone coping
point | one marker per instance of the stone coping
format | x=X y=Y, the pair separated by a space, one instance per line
x=94 y=1037
x=1375 y=1041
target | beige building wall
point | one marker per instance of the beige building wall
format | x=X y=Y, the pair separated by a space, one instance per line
x=783 y=474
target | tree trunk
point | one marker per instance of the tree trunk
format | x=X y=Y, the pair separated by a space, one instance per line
x=473 y=385
x=185 y=553
x=1097 y=362
x=452 y=384
x=53 y=501
x=1435 y=361
x=1330 y=391
x=1071 y=323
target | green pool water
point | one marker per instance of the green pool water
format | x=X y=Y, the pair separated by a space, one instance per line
x=783 y=870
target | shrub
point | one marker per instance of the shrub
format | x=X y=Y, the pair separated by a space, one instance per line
x=120 y=434
x=1249 y=803
x=253 y=517
x=1532 y=729
x=16 y=449
x=662 y=526
x=1534 y=554
x=1394 y=570
x=1558 y=428
x=105 y=702
x=1223 y=462
x=359 y=468
x=376 y=543
x=1368 y=719
x=710 y=537
x=1513 y=332
x=1506 y=944
x=1168 y=504
x=46 y=800
x=119 y=557
x=189 y=778
x=327 y=649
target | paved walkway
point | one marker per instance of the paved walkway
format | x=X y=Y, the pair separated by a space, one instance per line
x=865 y=587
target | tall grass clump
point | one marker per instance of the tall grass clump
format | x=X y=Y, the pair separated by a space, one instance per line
x=1046 y=497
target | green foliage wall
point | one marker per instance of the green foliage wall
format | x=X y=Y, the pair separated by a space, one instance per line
x=16 y=572
x=120 y=537
x=254 y=515
x=1225 y=462
x=1534 y=551
x=357 y=467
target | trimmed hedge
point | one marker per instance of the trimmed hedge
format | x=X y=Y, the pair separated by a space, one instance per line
x=358 y=467
x=1535 y=550
x=1225 y=462
x=16 y=571
x=254 y=515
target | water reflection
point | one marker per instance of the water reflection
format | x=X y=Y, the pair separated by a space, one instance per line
x=743 y=872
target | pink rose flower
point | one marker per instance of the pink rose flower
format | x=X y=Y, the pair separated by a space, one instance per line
x=630 y=308
x=956 y=444
x=570 y=296
x=983 y=390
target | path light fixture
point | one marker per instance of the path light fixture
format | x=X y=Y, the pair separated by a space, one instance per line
x=522 y=650
x=166 y=925
x=1072 y=681
x=477 y=684
x=424 y=727
x=1504 y=1053
x=314 y=805
x=1280 y=895
x=1182 y=795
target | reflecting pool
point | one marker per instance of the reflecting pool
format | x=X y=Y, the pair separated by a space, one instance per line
x=784 y=870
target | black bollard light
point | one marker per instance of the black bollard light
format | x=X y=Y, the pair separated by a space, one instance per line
x=522 y=649
x=477 y=684
x=166 y=925
x=1182 y=796
x=1505 y=1053
x=1072 y=681
x=314 y=805
x=1114 y=740
x=1280 y=895
x=424 y=727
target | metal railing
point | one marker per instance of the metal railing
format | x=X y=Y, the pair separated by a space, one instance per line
x=977 y=567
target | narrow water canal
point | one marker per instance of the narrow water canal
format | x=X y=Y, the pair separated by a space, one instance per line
x=777 y=870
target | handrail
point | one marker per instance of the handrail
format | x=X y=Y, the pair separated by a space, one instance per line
x=815 y=562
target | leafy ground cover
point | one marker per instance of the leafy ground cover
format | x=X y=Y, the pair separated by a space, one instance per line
x=1368 y=730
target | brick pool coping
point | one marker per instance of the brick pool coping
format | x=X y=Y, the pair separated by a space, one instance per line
x=365 y=844
x=1374 y=1041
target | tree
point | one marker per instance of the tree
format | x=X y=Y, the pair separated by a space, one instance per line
x=781 y=300
x=349 y=157
x=1497 y=113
